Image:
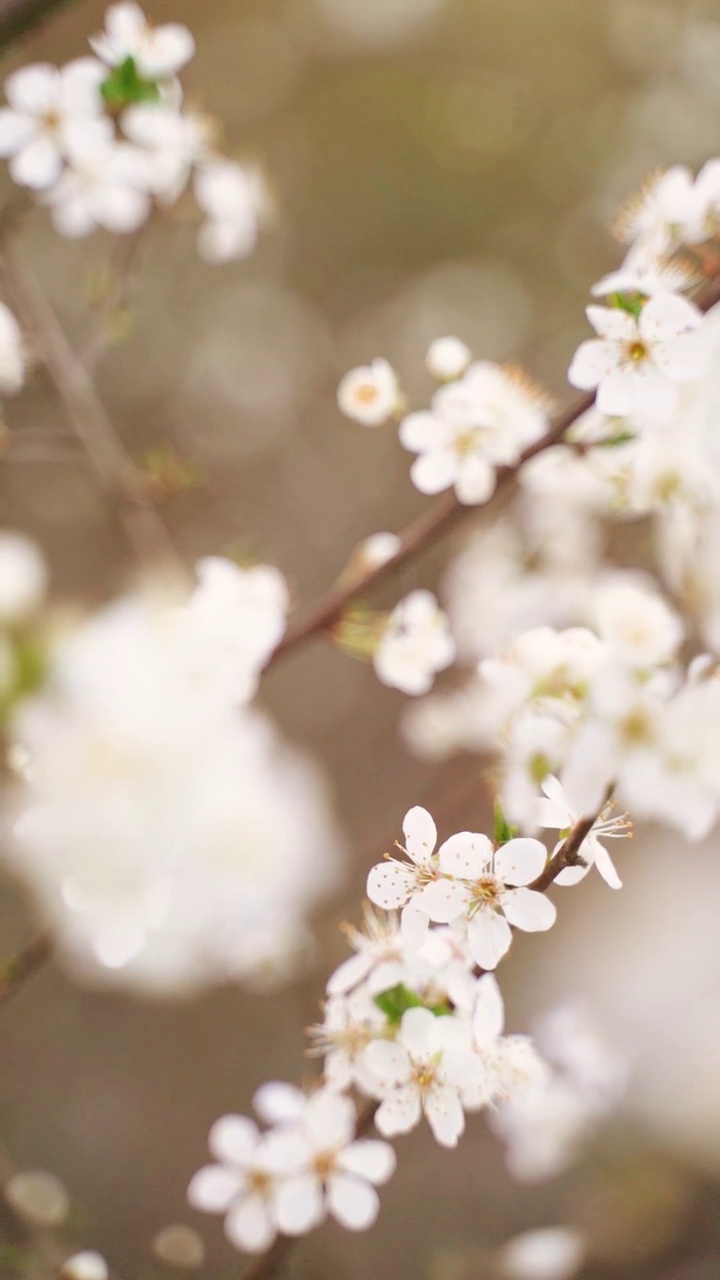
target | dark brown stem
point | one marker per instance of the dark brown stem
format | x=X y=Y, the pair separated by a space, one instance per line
x=568 y=855
x=18 y=17
x=18 y=968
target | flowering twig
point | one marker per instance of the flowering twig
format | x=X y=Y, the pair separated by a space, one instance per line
x=19 y=967
x=87 y=415
x=568 y=855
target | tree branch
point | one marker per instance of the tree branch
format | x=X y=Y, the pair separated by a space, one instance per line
x=18 y=17
x=18 y=968
x=88 y=417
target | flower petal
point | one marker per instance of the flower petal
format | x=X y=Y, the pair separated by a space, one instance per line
x=279 y=1103
x=415 y=1030
x=414 y=925
x=424 y=433
x=214 y=1188
x=489 y=938
x=389 y=885
x=466 y=855
x=399 y=1113
x=520 y=861
x=234 y=1138
x=369 y=1159
x=420 y=835
x=475 y=480
x=433 y=472
x=445 y=1115
x=528 y=910
x=606 y=867
x=352 y=1202
x=250 y=1226
x=489 y=1012
x=388 y=1061
x=444 y=900
x=299 y=1204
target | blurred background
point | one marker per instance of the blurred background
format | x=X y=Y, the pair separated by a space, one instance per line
x=437 y=166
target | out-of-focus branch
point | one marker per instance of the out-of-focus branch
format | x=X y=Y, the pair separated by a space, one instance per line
x=18 y=17
x=18 y=968
x=122 y=480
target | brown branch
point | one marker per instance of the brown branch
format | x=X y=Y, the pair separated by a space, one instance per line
x=18 y=968
x=568 y=855
x=88 y=417
x=19 y=17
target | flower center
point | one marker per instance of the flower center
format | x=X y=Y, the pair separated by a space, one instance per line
x=466 y=441
x=486 y=892
x=51 y=120
x=424 y=1075
x=366 y=392
x=259 y=1182
x=324 y=1164
x=636 y=352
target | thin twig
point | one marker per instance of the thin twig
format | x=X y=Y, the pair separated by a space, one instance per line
x=568 y=855
x=100 y=340
x=27 y=961
x=87 y=415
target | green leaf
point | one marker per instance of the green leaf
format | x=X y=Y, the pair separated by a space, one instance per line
x=610 y=442
x=125 y=85
x=633 y=303
x=503 y=830
x=396 y=1001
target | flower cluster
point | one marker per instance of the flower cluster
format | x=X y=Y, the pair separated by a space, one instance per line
x=308 y=1164
x=169 y=836
x=103 y=138
x=482 y=418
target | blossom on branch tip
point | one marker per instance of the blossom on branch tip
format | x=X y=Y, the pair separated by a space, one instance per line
x=482 y=421
x=636 y=363
x=158 y=52
x=447 y=358
x=46 y=105
x=414 y=645
x=554 y=811
x=370 y=394
x=231 y=197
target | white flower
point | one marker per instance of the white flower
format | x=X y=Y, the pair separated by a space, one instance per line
x=415 y=644
x=175 y=141
x=170 y=840
x=231 y=197
x=349 y=1023
x=636 y=363
x=550 y=1253
x=393 y=884
x=426 y=1070
x=12 y=353
x=104 y=185
x=637 y=624
x=369 y=394
x=673 y=209
x=44 y=103
x=476 y=424
x=646 y=271
x=87 y=1265
x=156 y=51
x=554 y=811
x=447 y=358
x=236 y=617
x=380 y=950
x=23 y=577
x=244 y=1183
x=490 y=890
x=331 y=1173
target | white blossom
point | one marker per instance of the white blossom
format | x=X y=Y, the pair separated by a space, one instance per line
x=236 y=617
x=369 y=394
x=476 y=424
x=427 y=1070
x=554 y=811
x=243 y=1184
x=46 y=106
x=175 y=142
x=636 y=363
x=103 y=185
x=23 y=577
x=638 y=626
x=394 y=884
x=673 y=209
x=157 y=52
x=550 y=1253
x=447 y=358
x=13 y=356
x=350 y=1022
x=415 y=644
x=230 y=197
x=86 y=1265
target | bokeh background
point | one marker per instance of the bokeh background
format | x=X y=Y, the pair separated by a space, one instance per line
x=437 y=166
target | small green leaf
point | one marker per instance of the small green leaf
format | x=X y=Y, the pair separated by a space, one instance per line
x=503 y=830
x=125 y=85
x=610 y=442
x=633 y=303
x=396 y=1001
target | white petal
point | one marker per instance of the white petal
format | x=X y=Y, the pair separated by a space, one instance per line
x=213 y=1189
x=520 y=861
x=446 y=1117
x=299 y=1204
x=15 y=131
x=572 y=875
x=388 y=1061
x=528 y=910
x=370 y=1159
x=352 y=1202
x=616 y=393
x=589 y=365
x=475 y=480
x=434 y=472
x=489 y=1012
x=349 y=974
x=424 y=433
x=389 y=885
x=414 y=925
x=415 y=1029
x=279 y=1103
x=666 y=315
x=420 y=835
x=38 y=165
x=612 y=323
x=399 y=1113
x=489 y=937
x=330 y=1119
x=606 y=867
x=33 y=90
x=443 y=900
x=251 y=1225
x=234 y=1138
x=465 y=855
